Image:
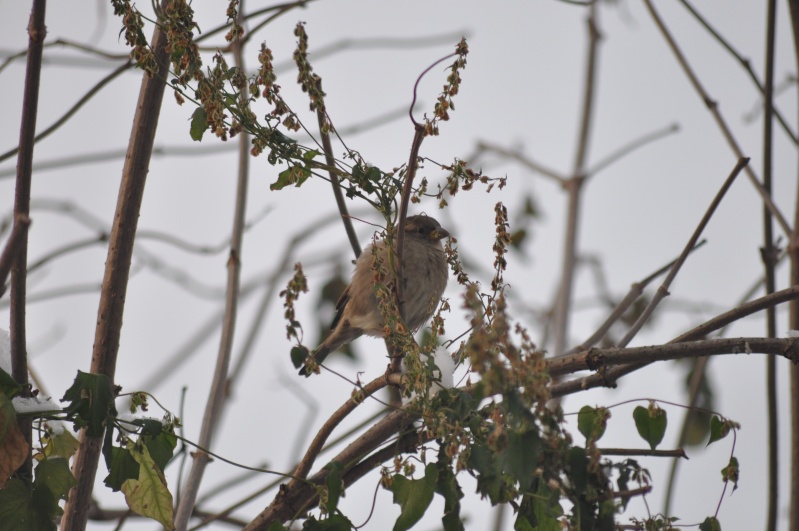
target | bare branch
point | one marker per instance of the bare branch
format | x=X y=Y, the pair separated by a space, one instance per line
x=217 y=394
x=720 y=122
x=663 y=290
x=118 y=263
x=11 y=249
x=611 y=375
x=600 y=359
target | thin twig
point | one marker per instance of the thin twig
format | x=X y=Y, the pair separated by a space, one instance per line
x=340 y=203
x=712 y=106
x=72 y=110
x=609 y=377
x=11 y=249
x=486 y=147
x=745 y=63
x=217 y=394
x=574 y=186
x=636 y=290
x=631 y=147
x=335 y=419
x=663 y=290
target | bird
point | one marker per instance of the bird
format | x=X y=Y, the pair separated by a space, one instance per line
x=424 y=274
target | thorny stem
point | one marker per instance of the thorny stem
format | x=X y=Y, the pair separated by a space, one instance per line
x=218 y=392
x=117 y=270
x=574 y=187
x=720 y=122
x=22 y=203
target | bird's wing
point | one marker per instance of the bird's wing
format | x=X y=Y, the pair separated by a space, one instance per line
x=340 y=305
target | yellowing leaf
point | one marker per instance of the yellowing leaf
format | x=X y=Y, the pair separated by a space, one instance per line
x=13 y=448
x=63 y=444
x=148 y=495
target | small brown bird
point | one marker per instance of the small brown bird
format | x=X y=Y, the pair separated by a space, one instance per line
x=424 y=279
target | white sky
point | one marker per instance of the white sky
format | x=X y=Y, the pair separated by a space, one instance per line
x=521 y=89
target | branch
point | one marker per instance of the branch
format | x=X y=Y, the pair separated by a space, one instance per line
x=117 y=270
x=340 y=203
x=72 y=110
x=679 y=452
x=663 y=290
x=22 y=204
x=720 y=122
x=608 y=379
x=335 y=419
x=635 y=291
x=12 y=248
x=218 y=392
x=574 y=186
x=745 y=63
x=600 y=359
x=291 y=501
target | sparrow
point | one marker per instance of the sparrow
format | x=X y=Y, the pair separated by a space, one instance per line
x=424 y=277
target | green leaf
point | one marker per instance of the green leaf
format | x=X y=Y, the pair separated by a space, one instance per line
x=199 y=124
x=592 y=422
x=8 y=386
x=25 y=509
x=298 y=355
x=719 y=429
x=334 y=485
x=54 y=474
x=413 y=496
x=539 y=512
x=92 y=399
x=447 y=486
x=13 y=447
x=148 y=495
x=521 y=455
x=276 y=526
x=62 y=444
x=710 y=524
x=577 y=467
x=651 y=424
x=295 y=175
x=311 y=154
x=121 y=468
x=161 y=447
x=488 y=471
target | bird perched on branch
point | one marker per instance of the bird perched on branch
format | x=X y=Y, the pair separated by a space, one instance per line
x=424 y=272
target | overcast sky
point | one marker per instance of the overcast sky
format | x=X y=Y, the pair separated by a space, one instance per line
x=521 y=90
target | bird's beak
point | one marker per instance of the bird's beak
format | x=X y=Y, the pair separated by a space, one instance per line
x=438 y=234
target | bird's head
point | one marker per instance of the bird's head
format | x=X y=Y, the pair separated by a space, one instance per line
x=424 y=228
